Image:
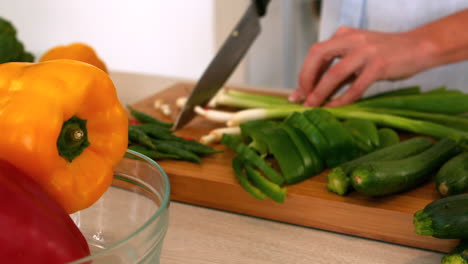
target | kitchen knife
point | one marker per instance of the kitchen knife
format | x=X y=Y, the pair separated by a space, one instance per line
x=225 y=61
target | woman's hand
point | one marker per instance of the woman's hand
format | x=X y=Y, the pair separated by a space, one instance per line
x=364 y=57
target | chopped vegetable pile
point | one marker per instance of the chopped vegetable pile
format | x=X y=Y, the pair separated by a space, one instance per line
x=154 y=138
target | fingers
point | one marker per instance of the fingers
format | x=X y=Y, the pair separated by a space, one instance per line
x=369 y=75
x=334 y=77
x=317 y=60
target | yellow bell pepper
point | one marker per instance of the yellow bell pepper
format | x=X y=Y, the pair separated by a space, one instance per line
x=75 y=51
x=62 y=124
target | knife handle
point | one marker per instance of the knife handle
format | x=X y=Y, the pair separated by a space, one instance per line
x=261 y=6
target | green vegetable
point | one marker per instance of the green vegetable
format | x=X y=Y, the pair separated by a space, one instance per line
x=240 y=99
x=411 y=90
x=415 y=126
x=166 y=147
x=238 y=165
x=387 y=177
x=444 y=218
x=158 y=133
x=135 y=135
x=247 y=154
x=285 y=152
x=195 y=148
x=145 y=118
x=153 y=154
x=364 y=133
x=459 y=255
x=271 y=99
x=340 y=141
x=388 y=137
x=11 y=49
x=272 y=190
x=251 y=132
x=444 y=103
x=452 y=178
x=312 y=133
x=313 y=164
x=339 y=178
x=153 y=128
x=447 y=120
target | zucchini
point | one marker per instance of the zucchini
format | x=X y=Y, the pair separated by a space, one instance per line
x=387 y=177
x=457 y=256
x=452 y=177
x=340 y=140
x=387 y=137
x=339 y=180
x=444 y=218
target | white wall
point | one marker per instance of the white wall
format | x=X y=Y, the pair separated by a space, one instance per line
x=174 y=38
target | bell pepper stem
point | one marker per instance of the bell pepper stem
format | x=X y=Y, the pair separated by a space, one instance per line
x=73 y=138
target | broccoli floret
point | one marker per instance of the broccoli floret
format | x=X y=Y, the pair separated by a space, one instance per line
x=11 y=49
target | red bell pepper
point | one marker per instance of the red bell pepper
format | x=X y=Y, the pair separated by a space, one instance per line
x=34 y=228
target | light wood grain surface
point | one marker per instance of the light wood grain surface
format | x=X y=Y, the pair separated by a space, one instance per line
x=201 y=235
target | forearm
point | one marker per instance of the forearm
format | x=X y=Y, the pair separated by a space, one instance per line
x=444 y=41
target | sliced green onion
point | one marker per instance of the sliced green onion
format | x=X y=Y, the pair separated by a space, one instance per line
x=213 y=115
x=215 y=135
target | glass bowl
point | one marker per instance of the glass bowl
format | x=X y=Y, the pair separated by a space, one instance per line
x=129 y=222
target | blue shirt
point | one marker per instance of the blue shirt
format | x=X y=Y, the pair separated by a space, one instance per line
x=397 y=16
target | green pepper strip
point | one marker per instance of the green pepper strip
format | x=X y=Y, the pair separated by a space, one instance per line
x=312 y=133
x=145 y=118
x=342 y=147
x=272 y=190
x=137 y=136
x=249 y=131
x=312 y=163
x=280 y=145
x=364 y=133
x=247 y=154
x=288 y=157
x=237 y=165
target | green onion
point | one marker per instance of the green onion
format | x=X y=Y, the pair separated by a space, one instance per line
x=215 y=135
x=263 y=113
x=444 y=103
x=248 y=100
x=213 y=115
x=448 y=120
x=416 y=126
x=259 y=97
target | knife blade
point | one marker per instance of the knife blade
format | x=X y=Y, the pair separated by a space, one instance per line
x=226 y=60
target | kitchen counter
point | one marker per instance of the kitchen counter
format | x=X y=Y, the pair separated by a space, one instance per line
x=199 y=235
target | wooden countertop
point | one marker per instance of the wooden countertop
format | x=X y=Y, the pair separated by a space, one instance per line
x=200 y=235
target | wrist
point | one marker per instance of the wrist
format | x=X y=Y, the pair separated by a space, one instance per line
x=425 y=50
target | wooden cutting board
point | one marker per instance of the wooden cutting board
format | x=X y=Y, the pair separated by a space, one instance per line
x=213 y=184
